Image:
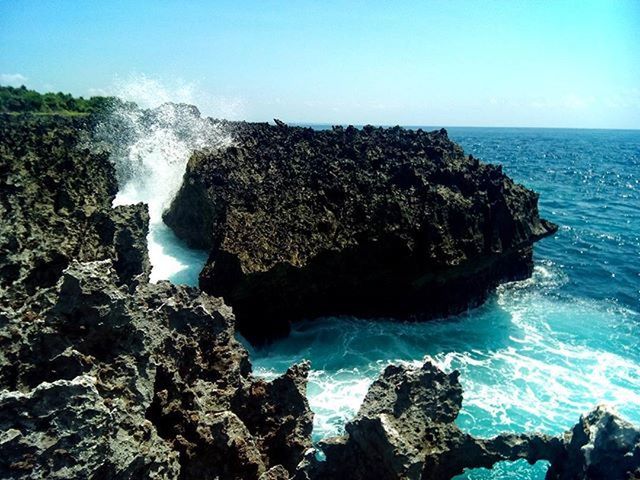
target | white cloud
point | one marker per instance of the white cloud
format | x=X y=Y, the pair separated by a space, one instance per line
x=570 y=101
x=12 y=79
x=97 y=92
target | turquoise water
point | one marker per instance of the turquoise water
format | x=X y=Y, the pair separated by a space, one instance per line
x=540 y=352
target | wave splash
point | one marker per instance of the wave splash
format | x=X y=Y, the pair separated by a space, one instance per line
x=150 y=149
x=524 y=365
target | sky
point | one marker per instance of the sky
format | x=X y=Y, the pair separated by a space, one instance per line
x=438 y=63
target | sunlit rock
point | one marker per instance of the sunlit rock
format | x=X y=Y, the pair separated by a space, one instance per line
x=171 y=388
x=601 y=446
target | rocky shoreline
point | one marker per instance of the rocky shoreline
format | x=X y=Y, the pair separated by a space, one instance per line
x=376 y=222
x=105 y=375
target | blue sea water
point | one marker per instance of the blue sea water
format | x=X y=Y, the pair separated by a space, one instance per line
x=540 y=352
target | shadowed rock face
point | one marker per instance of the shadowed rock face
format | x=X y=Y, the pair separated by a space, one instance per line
x=372 y=222
x=405 y=429
x=56 y=206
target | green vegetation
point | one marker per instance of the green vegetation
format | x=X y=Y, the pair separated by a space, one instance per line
x=23 y=100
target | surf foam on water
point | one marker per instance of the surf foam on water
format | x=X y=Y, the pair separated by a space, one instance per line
x=524 y=365
x=151 y=150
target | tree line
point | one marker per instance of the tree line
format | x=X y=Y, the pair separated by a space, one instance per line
x=23 y=100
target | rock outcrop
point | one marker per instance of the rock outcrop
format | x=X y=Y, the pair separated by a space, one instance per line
x=56 y=206
x=371 y=222
x=103 y=375
x=146 y=384
x=601 y=446
x=406 y=429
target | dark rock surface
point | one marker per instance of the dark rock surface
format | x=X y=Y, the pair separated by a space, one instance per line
x=405 y=429
x=278 y=413
x=371 y=222
x=56 y=206
x=601 y=446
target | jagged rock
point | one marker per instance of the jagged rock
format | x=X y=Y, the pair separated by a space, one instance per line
x=56 y=206
x=51 y=431
x=168 y=373
x=165 y=364
x=309 y=467
x=66 y=429
x=220 y=446
x=405 y=429
x=127 y=226
x=371 y=222
x=103 y=375
x=276 y=473
x=277 y=413
x=601 y=446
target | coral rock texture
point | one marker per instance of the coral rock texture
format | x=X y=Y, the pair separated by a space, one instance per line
x=369 y=222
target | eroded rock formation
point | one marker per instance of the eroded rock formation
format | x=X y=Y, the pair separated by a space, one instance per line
x=405 y=429
x=138 y=385
x=55 y=206
x=601 y=445
x=103 y=375
x=371 y=222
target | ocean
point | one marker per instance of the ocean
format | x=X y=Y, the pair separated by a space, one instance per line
x=541 y=351
x=537 y=354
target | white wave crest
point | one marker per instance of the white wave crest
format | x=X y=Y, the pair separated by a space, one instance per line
x=150 y=148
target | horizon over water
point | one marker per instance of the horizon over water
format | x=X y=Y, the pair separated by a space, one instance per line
x=539 y=352
x=460 y=128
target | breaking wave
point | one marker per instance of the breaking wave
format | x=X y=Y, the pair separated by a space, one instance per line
x=150 y=148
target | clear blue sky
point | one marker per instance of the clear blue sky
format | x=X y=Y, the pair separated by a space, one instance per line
x=507 y=63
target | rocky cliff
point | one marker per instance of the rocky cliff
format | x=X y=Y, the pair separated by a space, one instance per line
x=106 y=376
x=103 y=375
x=369 y=222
